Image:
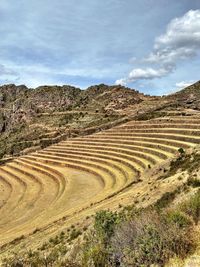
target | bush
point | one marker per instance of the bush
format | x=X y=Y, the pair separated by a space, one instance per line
x=95 y=254
x=181 y=151
x=194 y=182
x=192 y=207
x=105 y=223
x=148 y=239
x=166 y=199
x=178 y=218
x=97 y=246
x=74 y=234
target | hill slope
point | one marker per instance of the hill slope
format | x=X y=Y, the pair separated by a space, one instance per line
x=147 y=150
x=27 y=115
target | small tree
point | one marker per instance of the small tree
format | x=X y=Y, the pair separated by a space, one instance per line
x=97 y=247
x=105 y=223
x=181 y=151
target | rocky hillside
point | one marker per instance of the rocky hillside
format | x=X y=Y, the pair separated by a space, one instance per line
x=62 y=98
x=28 y=116
x=109 y=97
x=188 y=97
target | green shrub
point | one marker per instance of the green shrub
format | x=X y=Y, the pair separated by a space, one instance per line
x=105 y=223
x=192 y=207
x=194 y=182
x=178 y=218
x=166 y=199
x=95 y=254
x=148 y=240
x=96 y=248
x=54 y=240
x=181 y=151
x=74 y=234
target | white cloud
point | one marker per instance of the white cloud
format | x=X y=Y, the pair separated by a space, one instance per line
x=148 y=73
x=181 y=41
x=181 y=32
x=145 y=74
x=121 y=82
x=183 y=84
x=169 y=57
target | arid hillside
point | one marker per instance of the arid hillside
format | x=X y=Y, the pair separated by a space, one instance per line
x=120 y=165
x=29 y=115
x=37 y=117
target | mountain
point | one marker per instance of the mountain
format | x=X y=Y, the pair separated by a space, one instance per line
x=28 y=115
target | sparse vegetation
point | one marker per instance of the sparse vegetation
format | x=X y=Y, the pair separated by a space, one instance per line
x=193 y=181
x=74 y=234
x=129 y=237
x=143 y=238
x=166 y=199
x=192 y=207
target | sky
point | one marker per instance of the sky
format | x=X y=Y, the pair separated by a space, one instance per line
x=150 y=45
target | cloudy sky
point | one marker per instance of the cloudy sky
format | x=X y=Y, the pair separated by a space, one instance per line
x=151 y=45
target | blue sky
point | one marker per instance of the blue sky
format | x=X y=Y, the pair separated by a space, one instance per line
x=150 y=45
